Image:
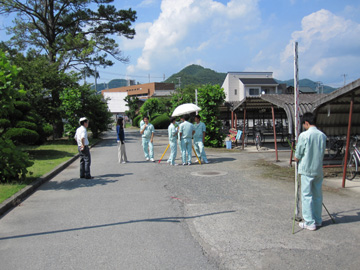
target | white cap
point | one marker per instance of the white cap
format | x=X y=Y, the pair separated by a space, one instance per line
x=82 y=119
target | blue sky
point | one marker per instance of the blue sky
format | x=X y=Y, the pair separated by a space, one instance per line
x=242 y=35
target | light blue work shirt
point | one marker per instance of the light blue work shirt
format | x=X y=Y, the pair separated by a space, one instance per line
x=172 y=132
x=310 y=151
x=186 y=129
x=199 y=130
x=149 y=130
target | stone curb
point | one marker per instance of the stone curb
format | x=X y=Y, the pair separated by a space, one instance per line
x=21 y=195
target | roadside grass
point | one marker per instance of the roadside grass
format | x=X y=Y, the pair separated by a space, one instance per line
x=273 y=171
x=45 y=157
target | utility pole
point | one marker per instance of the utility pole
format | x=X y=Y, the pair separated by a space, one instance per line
x=344 y=75
x=179 y=78
x=319 y=87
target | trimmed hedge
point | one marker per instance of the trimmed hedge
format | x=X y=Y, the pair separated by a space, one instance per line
x=22 y=135
x=162 y=121
x=26 y=124
x=136 y=121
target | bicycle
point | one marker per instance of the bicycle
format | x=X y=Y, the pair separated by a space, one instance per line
x=354 y=160
x=335 y=146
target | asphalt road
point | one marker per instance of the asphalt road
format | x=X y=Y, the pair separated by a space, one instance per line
x=144 y=215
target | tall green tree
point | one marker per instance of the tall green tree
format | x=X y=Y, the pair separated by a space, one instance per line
x=133 y=105
x=13 y=162
x=210 y=97
x=151 y=107
x=71 y=33
x=183 y=95
x=80 y=101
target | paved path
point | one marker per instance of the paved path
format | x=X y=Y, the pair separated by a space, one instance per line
x=143 y=215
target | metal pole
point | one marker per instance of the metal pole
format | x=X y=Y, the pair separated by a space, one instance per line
x=274 y=129
x=348 y=140
x=297 y=122
x=232 y=119
x=244 y=131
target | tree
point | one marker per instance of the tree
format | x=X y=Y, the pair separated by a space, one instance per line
x=210 y=97
x=70 y=34
x=13 y=162
x=81 y=101
x=183 y=95
x=152 y=106
x=133 y=104
x=68 y=31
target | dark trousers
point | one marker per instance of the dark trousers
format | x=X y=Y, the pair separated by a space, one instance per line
x=85 y=162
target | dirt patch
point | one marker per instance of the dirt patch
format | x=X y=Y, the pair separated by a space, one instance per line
x=273 y=171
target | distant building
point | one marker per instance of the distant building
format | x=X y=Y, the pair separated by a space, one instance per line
x=116 y=102
x=145 y=91
x=239 y=85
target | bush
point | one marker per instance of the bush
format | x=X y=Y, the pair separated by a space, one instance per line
x=4 y=123
x=13 y=162
x=27 y=125
x=162 y=121
x=136 y=121
x=22 y=135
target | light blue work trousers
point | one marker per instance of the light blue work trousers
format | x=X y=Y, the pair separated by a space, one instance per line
x=311 y=196
x=173 y=148
x=148 y=148
x=200 y=149
x=186 y=147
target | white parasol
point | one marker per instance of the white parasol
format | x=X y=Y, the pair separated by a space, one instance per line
x=185 y=109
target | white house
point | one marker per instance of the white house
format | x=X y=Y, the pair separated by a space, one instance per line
x=115 y=101
x=238 y=85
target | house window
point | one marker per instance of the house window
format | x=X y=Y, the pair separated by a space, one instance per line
x=235 y=92
x=254 y=91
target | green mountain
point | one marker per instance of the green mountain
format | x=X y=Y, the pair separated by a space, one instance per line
x=308 y=83
x=195 y=74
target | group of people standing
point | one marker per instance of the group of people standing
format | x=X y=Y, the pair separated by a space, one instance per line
x=179 y=133
x=184 y=135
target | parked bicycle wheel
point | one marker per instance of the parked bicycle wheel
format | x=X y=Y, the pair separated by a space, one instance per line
x=352 y=168
x=285 y=138
x=334 y=147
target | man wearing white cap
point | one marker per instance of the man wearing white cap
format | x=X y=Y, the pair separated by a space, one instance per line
x=81 y=138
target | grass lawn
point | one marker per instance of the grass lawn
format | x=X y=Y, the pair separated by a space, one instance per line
x=45 y=157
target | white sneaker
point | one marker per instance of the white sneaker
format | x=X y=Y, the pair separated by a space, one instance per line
x=308 y=227
x=184 y=164
x=147 y=159
x=151 y=159
x=124 y=162
x=207 y=162
x=189 y=163
x=174 y=164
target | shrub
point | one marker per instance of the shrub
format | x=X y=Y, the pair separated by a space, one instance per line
x=4 y=123
x=26 y=124
x=136 y=121
x=13 y=162
x=162 y=121
x=22 y=135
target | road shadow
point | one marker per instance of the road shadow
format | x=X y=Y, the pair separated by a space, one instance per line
x=220 y=160
x=75 y=183
x=342 y=217
x=161 y=219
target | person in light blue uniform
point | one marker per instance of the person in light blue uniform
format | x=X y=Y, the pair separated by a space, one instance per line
x=199 y=139
x=147 y=130
x=309 y=154
x=186 y=131
x=172 y=132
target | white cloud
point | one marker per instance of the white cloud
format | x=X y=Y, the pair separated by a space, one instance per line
x=146 y=3
x=325 y=41
x=142 y=33
x=188 y=27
